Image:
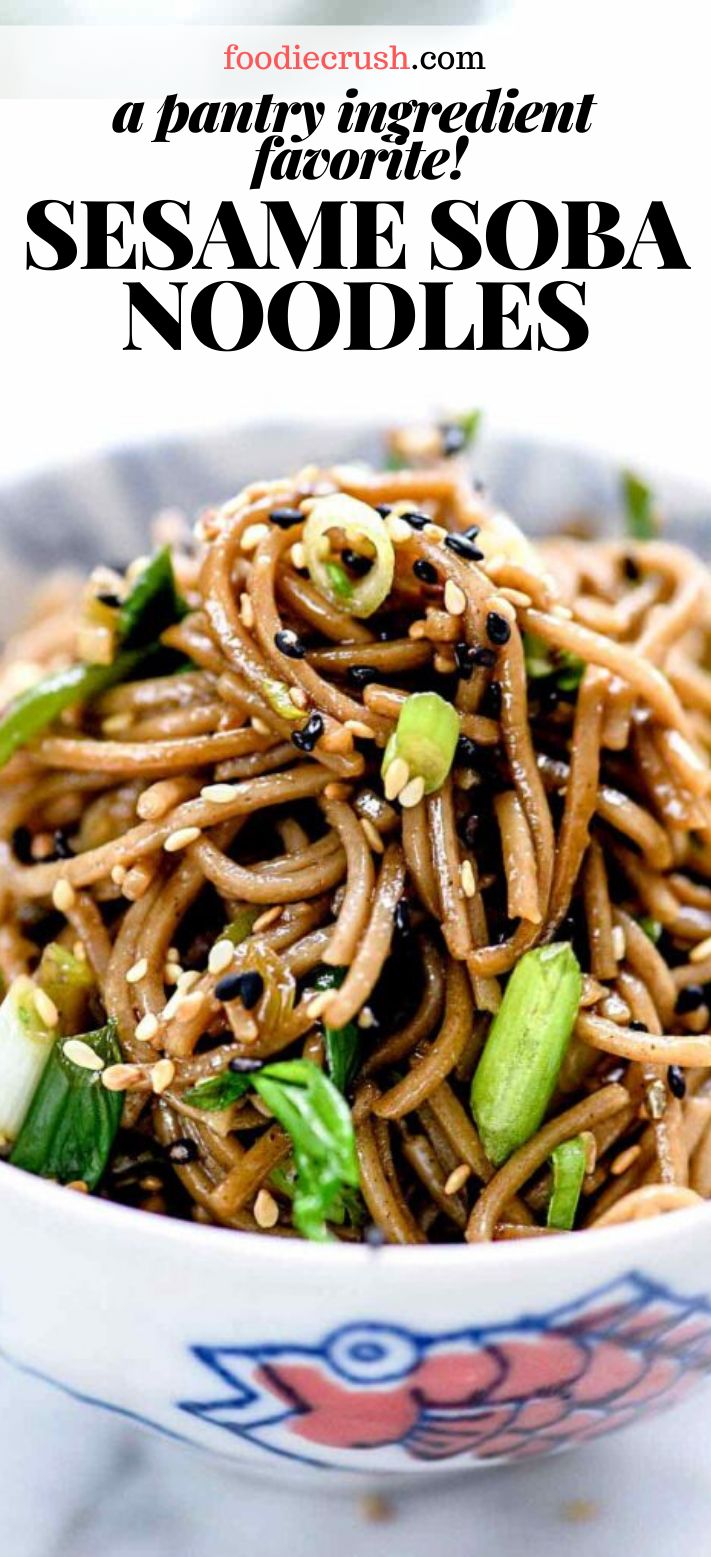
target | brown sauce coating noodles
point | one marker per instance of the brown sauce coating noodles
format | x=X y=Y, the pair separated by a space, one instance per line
x=244 y=795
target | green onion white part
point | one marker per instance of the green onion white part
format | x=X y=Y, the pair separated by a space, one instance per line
x=359 y=523
x=25 y=1046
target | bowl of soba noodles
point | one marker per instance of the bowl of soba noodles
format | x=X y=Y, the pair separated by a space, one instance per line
x=355 y=945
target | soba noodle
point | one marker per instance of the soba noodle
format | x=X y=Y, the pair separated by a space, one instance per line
x=245 y=788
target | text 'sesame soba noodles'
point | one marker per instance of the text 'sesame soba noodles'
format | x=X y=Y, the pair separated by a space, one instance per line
x=355 y=869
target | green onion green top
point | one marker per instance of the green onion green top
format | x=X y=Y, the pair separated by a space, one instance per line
x=342 y=1044
x=318 y=1121
x=639 y=507
x=425 y=736
x=568 y=1162
x=72 y=1121
x=518 y=1070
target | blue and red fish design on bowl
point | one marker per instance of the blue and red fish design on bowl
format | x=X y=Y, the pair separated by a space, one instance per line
x=378 y=1396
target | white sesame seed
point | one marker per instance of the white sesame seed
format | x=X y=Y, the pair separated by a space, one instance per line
x=172 y=954
x=618 y=943
x=46 y=1009
x=246 y=610
x=264 y=920
x=82 y=1054
x=118 y=875
x=366 y=1018
x=253 y=536
x=372 y=834
x=266 y=1210
x=434 y=532
x=147 y=1027
x=260 y=726
x=412 y=794
x=564 y=612
x=121 y=1078
x=298 y=555
x=137 y=567
x=189 y=1006
x=180 y=839
x=701 y=951
x=188 y=980
x=467 y=878
x=219 y=794
x=172 y=1006
x=79 y=951
x=161 y=1075
x=396 y=778
x=317 y=1006
x=457 y=1179
x=220 y=957
x=64 y=897
x=171 y=973
x=116 y=724
x=455 y=599
x=138 y=971
x=398 y=529
x=298 y=697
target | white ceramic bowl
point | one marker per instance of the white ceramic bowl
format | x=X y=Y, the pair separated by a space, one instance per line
x=343 y=1362
x=351 y=1363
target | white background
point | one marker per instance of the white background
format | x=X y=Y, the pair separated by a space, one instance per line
x=638 y=387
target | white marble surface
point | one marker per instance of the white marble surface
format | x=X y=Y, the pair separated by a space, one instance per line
x=74 y=1483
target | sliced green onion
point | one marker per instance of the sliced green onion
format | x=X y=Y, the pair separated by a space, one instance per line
x=69 y=982
x=41 y=704
x=277 y=695
x=241 y=926
x=342 y=1044
x=425 y=737
x=640 y=516
x=339 y=580
x=152 y=604
x=25 y=1047
x=568 y=1162
x=72 y=1120
x=518 y=1070
x=318 y=1121
x=359 y=522
x=469 y=424
x=652 y=928
x=541 y=662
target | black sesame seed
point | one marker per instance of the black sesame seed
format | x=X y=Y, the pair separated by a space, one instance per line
x=416 y=520
x=289 y=643
x=454 y=439
x=463 y=655
x=676 y=1081
x=491 y=702
x=638 y=1027
x=374 y=1236
x=472 y=531
x=484 y=657
x=401 y=918
x=362 y=675
x=463 y=548
x=241 y=1066
x=22 y=845
x=690 y=998
x=62 y=851
x=230 y=987
x=252 y=989
x=286 y=517
x=497 y=627
x=470 y=830
x=383 y=509
x=630 y=568
x=106 y=598
x=425 y=571
x=305 y=740
x=466 y=753
x=182 y=1151
x=356 y=563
